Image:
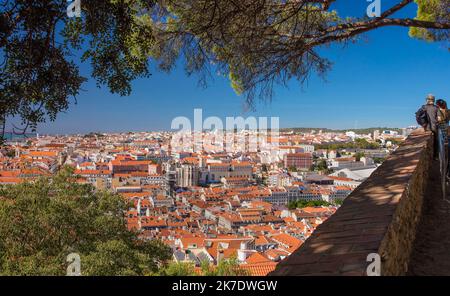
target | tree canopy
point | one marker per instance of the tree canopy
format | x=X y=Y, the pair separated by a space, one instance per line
x=41 y=223
x=255 y=43
x=298 y=204
x=226 y=267
x=356 y=144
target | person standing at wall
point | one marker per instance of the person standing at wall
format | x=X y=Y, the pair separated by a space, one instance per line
x=427 y=117
x=443 y=119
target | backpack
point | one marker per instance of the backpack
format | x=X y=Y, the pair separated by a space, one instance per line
x=422 y=117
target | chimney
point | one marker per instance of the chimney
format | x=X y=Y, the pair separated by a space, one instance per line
x=219 y=256
x=242 y=255
x=139 y=206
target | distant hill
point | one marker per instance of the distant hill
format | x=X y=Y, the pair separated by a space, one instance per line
x=12 y=136
x=327 y=130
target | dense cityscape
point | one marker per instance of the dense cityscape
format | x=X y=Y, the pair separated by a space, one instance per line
x=257 y=207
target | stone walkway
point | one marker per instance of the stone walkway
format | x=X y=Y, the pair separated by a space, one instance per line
x=431 y=253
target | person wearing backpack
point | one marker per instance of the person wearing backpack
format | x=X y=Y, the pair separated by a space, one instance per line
x=443 y=113
x=427 y=117
x=443 y=120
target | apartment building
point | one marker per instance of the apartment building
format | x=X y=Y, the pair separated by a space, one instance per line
x=300 y=161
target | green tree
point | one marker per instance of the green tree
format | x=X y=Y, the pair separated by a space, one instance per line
x=431 y=11
x=378 y=160
x=338 y=202
x=394 y=141
x=10 y=153
x=358 y=155
x=305 y=203
x=39 y=45
x=292 y=205
x=292 y=169
x=179 y=269
x=357 y=144
x=264 y=179
x=44 y=221
x=257 y=44
x=264 y=168
x=226 y=267
x=322 y=165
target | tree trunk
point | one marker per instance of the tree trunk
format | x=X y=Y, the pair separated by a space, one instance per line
x=2 y=128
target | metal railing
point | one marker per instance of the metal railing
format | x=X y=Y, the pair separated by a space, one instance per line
x=443 y=156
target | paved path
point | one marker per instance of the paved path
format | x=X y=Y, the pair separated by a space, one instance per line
x=431 y=254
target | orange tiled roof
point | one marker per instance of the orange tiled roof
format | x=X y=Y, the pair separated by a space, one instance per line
x=259 y=269
x=92 y=172
x=315 y=210
x=43 y=153
x=257 y=258
x=134 y=194
x=131 y=162
x=290 y=243
x=340 y=178
x=190 y=241
x=10 y=180
x=9 y=173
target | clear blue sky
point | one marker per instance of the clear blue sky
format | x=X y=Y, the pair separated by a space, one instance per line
x=380 y=81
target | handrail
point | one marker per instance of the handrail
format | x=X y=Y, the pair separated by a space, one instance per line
x=443 y=156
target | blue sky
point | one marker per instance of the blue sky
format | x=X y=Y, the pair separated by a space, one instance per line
x=379 y=81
